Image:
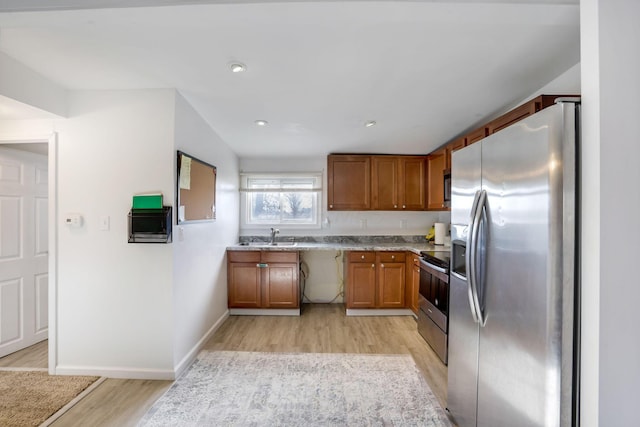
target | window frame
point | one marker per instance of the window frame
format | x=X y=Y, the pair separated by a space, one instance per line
x=246 y=192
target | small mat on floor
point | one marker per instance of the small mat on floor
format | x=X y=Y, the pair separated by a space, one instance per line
x=28 y=398
x=301 y=389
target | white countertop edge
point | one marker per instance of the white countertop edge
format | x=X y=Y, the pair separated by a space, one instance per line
x=303 y=246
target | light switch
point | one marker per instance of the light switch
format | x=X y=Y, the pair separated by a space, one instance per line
x=104 y=223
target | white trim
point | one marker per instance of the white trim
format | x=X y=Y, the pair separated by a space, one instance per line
x=379 y=312
x=280 y=190
x=316 y=190
x=264 y=311
x=53 y=253
x=52 y=159
x=281 y=174
x=117 y=372
x=193 y=353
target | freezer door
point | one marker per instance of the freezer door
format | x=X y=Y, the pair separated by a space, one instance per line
x=466 y=176
x=521 y=345
x=463 y=331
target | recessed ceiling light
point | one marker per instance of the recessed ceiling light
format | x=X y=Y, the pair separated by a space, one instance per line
x=261 y=122
x=370 y=123
x=237 y=67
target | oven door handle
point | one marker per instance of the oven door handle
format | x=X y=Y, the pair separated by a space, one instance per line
x=428 y=265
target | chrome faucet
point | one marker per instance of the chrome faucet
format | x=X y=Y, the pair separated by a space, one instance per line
x=274 y=231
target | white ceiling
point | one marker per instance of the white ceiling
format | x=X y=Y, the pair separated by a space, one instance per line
x=316 y=71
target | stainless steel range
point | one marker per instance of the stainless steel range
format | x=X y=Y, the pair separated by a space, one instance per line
x=433 y=315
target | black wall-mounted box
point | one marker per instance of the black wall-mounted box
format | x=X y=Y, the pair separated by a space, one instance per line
x=150 y=225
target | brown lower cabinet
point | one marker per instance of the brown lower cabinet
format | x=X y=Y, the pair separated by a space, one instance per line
x=413 y=282
x=375 y=279
x=263 y=279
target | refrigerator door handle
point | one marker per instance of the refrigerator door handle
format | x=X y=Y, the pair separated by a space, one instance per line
x=473 y=270
x=469 y=255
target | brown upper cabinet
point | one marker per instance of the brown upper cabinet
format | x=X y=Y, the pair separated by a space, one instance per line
x=349 y=182
x=436 y=165
x=378 y=182
x=528 y=108
x=454 y=145
x=476 y=135
x=398 y=182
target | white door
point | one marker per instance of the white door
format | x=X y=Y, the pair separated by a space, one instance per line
x=23 y=249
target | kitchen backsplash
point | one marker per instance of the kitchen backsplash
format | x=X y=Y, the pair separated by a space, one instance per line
x=363 y=223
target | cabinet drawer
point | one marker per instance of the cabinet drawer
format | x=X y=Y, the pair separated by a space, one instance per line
x=391 y=256
x=279 y=256
x=360 y=256
x=243 y=256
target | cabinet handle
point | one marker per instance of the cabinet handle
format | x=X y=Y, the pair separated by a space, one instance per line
x=330 y=206
x=381 y=265
x=362 y=256
x=262 y=265
x=395 y=206
x=404 y=206
x=393 y=257
x=373 y=265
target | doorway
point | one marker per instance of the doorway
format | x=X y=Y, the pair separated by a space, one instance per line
x=27 y=237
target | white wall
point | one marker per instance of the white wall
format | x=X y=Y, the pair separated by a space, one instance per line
x=114 y=298
x=133 y=310
x=22 y=84
x=611 y=202
x=200 y=271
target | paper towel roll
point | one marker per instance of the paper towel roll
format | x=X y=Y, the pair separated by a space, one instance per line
x=441 y=232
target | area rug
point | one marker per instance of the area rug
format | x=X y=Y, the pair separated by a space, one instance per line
x=301 y=389
x=29 y=398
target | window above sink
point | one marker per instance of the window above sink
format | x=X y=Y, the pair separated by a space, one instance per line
x=283 y=200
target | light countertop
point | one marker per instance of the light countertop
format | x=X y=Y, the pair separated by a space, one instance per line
x=306 y=246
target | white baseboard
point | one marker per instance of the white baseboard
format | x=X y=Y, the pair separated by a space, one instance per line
x=118 y=372
x=143 y=374
x=379 y=312
x=191 y=355
x=264 y=311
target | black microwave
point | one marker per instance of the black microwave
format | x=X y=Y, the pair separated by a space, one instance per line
x=447 y=187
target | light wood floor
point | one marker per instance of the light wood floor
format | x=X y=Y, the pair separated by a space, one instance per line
x=322 y=328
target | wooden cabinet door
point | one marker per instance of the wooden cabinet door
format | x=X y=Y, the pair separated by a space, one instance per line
x=348 y=182
x=280 y=286
x=412 y=282
x=413 y=183
x=436 y=164
x=384 y=183
x=476 y=135
x=511 y=117
x=244 y=285
x=454 y=146
x=391 y=278
x=361 y=285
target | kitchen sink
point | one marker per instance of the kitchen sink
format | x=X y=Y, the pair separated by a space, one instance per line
x=267 y=244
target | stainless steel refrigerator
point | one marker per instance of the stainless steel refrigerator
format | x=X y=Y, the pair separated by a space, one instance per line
x=513 y=334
